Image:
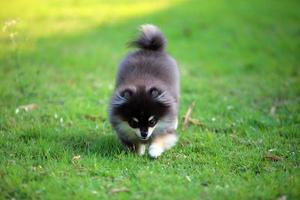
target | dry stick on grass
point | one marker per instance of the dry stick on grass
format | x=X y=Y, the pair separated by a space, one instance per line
x=116 y=190
x=273 y=157
x=27 y=108
x=75 y=159
x=94 y=117
x=188 y=116
x=195 y=122
x=272 y=110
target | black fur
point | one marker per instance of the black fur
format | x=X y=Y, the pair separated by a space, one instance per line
x=141 y=105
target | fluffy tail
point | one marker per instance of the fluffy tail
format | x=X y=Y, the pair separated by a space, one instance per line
x=150 y=38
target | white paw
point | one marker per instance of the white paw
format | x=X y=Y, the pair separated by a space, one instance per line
x=155 y=151
x=170 y=141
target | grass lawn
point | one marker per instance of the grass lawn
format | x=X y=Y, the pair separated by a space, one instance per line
x=239 y=63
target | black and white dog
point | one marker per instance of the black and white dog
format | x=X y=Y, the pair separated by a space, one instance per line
x=144 y=107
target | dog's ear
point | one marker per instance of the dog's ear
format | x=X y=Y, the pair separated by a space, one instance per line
x=122 y=97
x=159 y=96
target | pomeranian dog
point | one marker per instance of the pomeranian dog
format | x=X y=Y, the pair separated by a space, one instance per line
x=144 y=106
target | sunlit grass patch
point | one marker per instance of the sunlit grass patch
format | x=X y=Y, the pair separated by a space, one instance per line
x=48 y=18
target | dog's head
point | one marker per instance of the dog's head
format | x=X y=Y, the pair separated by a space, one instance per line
x=141 y=109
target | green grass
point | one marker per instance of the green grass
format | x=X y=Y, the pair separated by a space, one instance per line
x=239 y=62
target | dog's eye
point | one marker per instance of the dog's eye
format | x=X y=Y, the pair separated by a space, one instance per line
x=126 y=94
x=152 y=122
x=154 y=92
x=134 y=123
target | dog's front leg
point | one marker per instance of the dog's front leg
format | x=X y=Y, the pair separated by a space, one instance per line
x=162 y=143
x=140 y=149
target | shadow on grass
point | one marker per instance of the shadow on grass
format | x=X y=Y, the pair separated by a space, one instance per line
x=92 y=144
x=44 y=144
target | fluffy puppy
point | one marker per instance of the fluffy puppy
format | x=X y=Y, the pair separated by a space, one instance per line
x=144 y=106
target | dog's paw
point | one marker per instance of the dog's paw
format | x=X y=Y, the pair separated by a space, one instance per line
x=141 y=149
x=155 y=151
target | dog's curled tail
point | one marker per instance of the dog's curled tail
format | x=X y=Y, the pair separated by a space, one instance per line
x=150 y=38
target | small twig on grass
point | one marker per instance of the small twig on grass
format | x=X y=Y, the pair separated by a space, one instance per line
x=272 y=157
x=189 y=120
x=272 y=111
x=188 y=178
x=75 y=159
x=283 y=197
x=26 y=108
x=117 y=190
x=187 y=116
x=93 y=117
x=195 y=122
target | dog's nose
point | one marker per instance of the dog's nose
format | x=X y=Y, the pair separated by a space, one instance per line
x=144 y=134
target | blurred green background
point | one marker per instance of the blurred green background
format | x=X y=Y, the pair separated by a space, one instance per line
x=239 y=62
